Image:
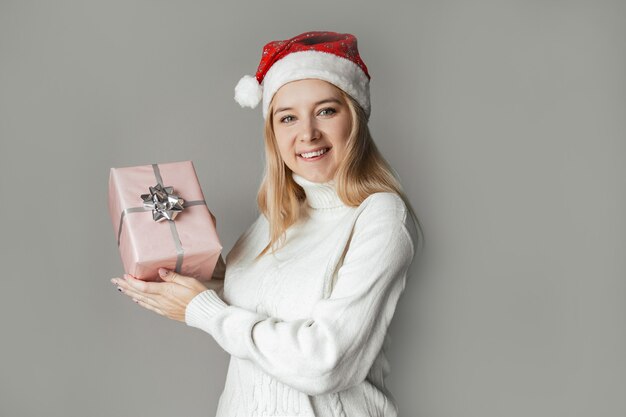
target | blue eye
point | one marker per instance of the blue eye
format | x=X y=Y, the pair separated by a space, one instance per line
x=324 y=112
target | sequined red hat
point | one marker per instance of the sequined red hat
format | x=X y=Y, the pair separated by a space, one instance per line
x=328 y=56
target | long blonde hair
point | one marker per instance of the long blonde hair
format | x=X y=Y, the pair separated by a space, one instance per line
x=363 y=171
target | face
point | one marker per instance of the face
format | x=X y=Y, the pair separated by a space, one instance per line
x=311 y=115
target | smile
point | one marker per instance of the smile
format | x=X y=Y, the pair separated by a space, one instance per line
x=314 y=156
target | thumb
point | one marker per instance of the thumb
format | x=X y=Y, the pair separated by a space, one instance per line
x=167 y=275
x=171 y=276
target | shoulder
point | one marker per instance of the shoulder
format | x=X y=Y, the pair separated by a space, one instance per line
x=381 y=230
x=384 y=205
x=387 y=213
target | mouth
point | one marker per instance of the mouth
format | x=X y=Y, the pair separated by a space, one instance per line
x=315 y=155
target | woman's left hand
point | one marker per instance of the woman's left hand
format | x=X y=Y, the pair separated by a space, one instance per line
x=168 y=298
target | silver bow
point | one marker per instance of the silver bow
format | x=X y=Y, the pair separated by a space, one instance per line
x=162 y=201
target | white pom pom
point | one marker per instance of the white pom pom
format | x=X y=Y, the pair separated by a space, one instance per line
x=248 y=91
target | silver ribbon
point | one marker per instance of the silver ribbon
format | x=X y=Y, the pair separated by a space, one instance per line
x=162 y=201
x=164 y=205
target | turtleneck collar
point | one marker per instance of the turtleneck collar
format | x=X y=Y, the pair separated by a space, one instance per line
x=319 y=195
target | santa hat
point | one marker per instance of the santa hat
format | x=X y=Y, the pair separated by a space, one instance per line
x=327 y=56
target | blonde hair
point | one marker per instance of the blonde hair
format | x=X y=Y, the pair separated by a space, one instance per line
x=363 y=171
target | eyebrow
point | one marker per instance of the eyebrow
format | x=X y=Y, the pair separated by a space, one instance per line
x=328 y=100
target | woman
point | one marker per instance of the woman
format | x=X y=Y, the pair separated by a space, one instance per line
x=305 y=297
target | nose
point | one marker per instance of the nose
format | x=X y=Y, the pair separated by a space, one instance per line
x=309 y=130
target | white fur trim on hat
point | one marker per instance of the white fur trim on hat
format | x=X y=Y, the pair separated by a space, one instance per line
x=337 y=70
x=248 y=91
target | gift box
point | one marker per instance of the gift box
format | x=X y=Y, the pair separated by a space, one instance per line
x=161 y=219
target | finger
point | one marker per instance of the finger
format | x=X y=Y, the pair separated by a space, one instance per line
x=144 y=286
x=123 y=285
x=149 y=307
x=142 y=297
x=171 y=276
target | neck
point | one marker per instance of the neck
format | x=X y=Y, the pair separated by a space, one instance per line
x=319 y=195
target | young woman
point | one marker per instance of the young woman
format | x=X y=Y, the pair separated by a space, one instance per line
x=306 y=295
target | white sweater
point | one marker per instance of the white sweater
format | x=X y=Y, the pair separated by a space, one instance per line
x=306 y=328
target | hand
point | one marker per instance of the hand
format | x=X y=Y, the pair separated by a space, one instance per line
x=168 y=298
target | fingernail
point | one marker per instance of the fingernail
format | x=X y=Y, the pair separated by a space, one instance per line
x=162 y=272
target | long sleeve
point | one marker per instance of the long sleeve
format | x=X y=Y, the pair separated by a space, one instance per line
x=336 y=346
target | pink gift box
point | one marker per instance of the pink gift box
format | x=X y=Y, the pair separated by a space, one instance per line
x=184 y=239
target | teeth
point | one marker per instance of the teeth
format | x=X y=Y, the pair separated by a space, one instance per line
x=313 y=154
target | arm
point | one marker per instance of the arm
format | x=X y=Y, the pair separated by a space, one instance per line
x=334 y=348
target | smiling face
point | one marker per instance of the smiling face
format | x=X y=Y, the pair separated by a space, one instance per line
x=311 y=115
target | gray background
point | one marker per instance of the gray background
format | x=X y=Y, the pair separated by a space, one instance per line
x=505 y=121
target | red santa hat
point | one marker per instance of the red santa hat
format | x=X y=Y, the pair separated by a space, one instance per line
x=327 y=56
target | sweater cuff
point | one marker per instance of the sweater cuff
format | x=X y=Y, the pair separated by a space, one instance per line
x=202 y=308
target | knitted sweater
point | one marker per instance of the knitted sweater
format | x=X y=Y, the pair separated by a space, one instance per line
x=306 y=327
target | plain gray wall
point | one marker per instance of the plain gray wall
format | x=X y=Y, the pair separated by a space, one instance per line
x=505 y=121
